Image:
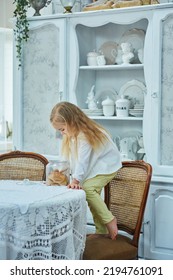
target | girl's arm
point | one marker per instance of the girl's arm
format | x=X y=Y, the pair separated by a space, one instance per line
x=82 y=162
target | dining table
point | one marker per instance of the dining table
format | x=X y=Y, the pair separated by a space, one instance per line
x=40 y=222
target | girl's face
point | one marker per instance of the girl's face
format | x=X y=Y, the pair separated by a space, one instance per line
x=62 y=128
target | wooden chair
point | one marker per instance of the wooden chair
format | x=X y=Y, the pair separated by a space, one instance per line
x=18 y=165
x=126 y=197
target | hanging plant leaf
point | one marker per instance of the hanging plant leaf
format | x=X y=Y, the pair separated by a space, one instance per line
x=21 y=29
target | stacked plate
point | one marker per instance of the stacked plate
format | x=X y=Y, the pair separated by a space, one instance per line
x=93 y=112
x=139 y=106
x=137 y=111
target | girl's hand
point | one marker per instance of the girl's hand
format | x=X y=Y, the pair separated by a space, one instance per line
x=74 y=185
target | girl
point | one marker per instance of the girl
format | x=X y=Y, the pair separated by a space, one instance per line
x=94 y=160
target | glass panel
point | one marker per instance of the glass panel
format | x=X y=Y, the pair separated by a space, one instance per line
x=166 y=128
x=41 y=85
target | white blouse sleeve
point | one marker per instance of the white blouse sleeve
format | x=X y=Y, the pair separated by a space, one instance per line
x=84 y=154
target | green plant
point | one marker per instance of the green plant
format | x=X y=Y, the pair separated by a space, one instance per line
x=21 y=29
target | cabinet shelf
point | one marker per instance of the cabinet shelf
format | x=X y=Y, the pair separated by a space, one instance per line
x=116 y=118
x=113 y=67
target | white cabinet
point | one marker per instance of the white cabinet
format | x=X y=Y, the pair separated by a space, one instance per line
x=158 y=221
x=55 y=62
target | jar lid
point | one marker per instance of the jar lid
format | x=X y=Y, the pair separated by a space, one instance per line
x=108 y=101
x=92 y=54
x=123 y=100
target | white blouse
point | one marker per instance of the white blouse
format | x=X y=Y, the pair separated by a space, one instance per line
x=90 y=163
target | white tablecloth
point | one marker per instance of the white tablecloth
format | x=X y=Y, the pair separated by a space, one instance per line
x=39 y=222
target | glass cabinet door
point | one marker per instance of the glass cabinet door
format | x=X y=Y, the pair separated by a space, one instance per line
x=166 y=104
x=161 y=155
x=42 y=86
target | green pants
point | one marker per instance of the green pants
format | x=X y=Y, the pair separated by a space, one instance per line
x=101 y=214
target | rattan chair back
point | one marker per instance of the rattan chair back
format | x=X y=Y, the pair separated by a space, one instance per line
x=19 y=165
x=126 y=196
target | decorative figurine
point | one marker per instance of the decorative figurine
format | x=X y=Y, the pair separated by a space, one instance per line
x=91 y=99
x=127 y=53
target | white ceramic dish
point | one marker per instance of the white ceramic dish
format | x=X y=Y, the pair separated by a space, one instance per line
x=136 y=114
x=136 y=38
x=136 y=110
x=138 y=106
x=109 y=50
x=103 y=94
x=93 y=112
x=135 y=91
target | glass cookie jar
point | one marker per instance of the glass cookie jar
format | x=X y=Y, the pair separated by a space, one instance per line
x=57 y=173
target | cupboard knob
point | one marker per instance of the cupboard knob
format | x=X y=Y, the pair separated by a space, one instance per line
x=146 y=223
x=154 y=94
